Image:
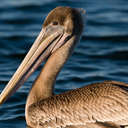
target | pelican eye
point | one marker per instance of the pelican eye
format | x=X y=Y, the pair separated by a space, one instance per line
x=54 y=23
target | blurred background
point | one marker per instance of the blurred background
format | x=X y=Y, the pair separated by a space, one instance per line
x=101 y=55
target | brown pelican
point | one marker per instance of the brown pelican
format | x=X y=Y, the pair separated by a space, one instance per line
x=97 y=105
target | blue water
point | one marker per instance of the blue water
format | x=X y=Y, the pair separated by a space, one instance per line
x=101 y=55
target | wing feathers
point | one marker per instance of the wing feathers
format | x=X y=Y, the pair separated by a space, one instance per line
x=103 y=102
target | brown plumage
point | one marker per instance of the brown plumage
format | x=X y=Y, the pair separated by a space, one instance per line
x=99 y=105
x=105 y=102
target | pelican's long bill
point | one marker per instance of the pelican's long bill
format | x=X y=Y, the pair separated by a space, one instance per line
x=49 y=39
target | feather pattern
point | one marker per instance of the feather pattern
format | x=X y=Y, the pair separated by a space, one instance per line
x=101 y=102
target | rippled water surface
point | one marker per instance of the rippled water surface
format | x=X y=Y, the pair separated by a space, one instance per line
x=101 y=55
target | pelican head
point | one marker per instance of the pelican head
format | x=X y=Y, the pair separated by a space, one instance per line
x=61 y=31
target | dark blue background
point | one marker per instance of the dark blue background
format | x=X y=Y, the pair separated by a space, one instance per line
x=101 y=55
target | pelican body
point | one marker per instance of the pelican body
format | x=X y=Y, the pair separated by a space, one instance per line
x=99 y=105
